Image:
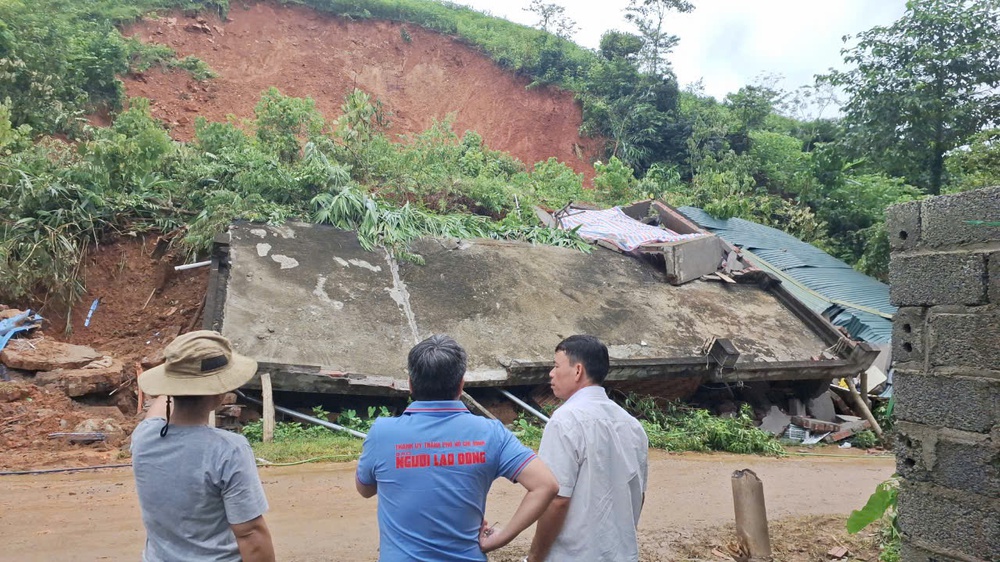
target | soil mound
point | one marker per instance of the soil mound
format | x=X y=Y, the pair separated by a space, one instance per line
x=306 y=53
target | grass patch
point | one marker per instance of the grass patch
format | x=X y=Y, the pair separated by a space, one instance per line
x=331 y=448
x=295 y=442
x=674 y=426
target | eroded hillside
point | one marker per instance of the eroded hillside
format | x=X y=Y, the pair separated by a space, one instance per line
x=419 y=75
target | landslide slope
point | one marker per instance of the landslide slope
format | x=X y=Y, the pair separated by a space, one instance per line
x=305 y=53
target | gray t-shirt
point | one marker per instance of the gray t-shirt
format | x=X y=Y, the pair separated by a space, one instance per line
x=193 y=484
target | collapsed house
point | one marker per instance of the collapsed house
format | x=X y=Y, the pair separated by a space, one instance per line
x=323 y=315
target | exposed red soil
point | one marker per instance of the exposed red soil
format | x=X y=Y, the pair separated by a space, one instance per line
x=25 y=424
x=143 y=305
x=141 y=300
x=306 y=53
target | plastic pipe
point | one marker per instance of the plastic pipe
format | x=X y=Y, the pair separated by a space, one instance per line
x=524 y=405
x=192 y=265
x=304 y=417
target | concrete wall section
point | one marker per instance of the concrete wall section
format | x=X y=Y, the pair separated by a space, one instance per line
x=298 y=293
x=311 y=296
x=945 y=274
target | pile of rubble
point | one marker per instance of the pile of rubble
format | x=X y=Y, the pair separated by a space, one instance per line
x=52 y=393
x=825 y=416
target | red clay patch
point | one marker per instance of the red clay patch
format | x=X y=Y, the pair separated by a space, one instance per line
x=306 y=53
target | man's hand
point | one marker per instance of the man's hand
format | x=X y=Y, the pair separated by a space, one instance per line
x=489 y=537
x=541 y=485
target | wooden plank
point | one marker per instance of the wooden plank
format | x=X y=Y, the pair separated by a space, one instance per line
x=268 y=395
x=475 y=406
x=544 y=217
x=725 y=277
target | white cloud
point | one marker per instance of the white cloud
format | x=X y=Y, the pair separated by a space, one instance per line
x=727 y=43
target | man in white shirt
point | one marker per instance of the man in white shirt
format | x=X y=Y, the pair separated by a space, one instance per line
x=598 y=453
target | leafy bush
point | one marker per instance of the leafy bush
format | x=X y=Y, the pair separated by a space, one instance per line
x=527 y=430
x=677 y=427
x=881 y=505
x=865 y=439
x=350 y=419
x=292 y=431
x=615 y=182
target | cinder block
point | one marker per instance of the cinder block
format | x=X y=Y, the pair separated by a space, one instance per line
x=937 y=279
x=913 y=553
x=949 y=458
x=993 y=272
x=944 y=221
x=950 y=520
x=963 y=340
x=902 y=222
x=968 y=404
x=908 y=335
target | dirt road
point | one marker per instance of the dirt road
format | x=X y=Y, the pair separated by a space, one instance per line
x=317 y=515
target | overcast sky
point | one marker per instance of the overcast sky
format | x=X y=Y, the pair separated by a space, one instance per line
x=728 y=43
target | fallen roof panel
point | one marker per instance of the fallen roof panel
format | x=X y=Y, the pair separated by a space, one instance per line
x=310 y=301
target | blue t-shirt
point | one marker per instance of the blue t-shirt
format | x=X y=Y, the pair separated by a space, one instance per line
x=434 y=466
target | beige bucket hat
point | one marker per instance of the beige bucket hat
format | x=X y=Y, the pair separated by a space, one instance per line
x=200 y=363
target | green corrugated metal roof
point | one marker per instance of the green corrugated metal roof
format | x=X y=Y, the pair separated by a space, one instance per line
x=825 y=284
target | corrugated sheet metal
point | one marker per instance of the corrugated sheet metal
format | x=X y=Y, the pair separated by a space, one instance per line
x=822 y=282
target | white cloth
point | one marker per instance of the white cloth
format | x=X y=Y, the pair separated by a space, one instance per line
x=614 y=226
x=599 y=455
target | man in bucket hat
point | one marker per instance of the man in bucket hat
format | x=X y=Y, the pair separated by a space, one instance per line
x=199 y=491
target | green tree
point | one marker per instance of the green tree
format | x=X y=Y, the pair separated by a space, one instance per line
x=282 y=120
x=649 y=17
x=552 y=18
x=976 y=164
x=922 y=85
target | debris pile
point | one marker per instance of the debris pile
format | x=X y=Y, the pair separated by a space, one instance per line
x=808 y=413
x=55 y=394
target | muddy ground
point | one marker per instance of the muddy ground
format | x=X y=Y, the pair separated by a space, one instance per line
x=317 y=515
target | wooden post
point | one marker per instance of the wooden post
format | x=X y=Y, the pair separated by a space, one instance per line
x=863 y=408
x=476 y=406
x=268 y=399
x=139 y=396
x=751 y=516
x=864 y=389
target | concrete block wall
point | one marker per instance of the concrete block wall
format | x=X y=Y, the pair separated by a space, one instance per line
x=945 y=279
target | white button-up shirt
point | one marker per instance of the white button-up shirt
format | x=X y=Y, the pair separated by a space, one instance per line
x=599 y=455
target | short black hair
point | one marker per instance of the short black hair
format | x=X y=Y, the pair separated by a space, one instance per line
x=436 y=367
x=591 y=352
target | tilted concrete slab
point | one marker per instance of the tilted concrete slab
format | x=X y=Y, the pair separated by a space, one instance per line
x=310 y=303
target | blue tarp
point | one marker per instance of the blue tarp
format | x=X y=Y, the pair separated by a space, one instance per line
x=20 y=323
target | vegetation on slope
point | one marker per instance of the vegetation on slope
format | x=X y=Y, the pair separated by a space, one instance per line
x=828 y=181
